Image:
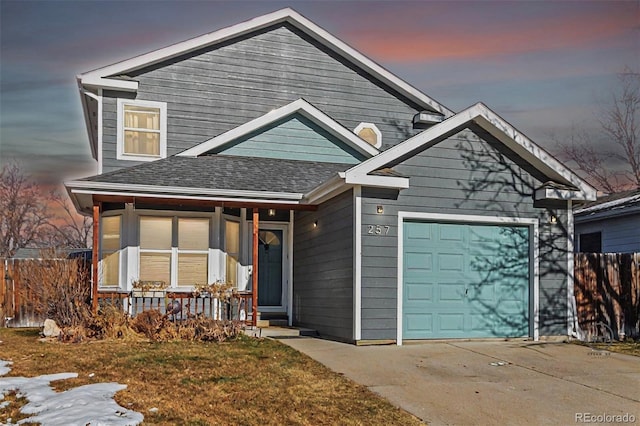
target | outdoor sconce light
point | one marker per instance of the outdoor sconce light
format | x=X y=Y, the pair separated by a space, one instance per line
x=272 y=212
x=379 y=209
x=315 y=224
x=552 y=218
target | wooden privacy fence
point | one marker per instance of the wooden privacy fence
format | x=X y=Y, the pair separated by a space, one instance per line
x=18 y=307
x=607 y=290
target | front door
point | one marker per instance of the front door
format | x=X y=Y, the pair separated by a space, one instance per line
x=270 y=268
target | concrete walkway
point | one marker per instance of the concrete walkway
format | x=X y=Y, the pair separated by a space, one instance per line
x=468 y=383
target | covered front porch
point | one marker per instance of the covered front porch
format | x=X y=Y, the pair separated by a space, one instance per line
x=223 y=259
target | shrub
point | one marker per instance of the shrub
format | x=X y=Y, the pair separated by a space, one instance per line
x=57 y=288
x=156 y=326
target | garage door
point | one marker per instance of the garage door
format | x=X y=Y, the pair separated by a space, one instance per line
x=462 y=280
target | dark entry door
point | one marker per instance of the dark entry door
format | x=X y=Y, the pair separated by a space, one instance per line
x=270 y=267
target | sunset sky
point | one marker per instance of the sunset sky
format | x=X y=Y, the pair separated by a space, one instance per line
x=544 y=66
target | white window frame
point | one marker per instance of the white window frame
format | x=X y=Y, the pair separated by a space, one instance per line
x=176 y=234
x=175 y=251
x=172 y=251
x=120 y=154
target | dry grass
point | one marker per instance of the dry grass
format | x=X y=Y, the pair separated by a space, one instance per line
x=629 y=348
x=247 y=381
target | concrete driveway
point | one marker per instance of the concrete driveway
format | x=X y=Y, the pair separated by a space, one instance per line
x=481 y=382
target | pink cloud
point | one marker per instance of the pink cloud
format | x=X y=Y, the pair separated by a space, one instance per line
x=499 y=36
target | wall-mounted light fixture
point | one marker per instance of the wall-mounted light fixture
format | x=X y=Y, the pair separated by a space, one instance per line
x=272 y=212
x=553 y=219
x=379 y=209
x=315 y=224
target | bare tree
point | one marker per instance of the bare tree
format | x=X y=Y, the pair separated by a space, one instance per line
x=620 y=125
x=23 y=211
x=28 y=216
x=71 y=230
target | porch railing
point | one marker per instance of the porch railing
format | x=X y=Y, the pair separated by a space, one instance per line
x=183 y=305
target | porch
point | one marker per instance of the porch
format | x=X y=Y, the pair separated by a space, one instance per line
x=183 y=248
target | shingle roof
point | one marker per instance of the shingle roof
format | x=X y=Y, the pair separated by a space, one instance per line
x=226 y=172
x=616 y=201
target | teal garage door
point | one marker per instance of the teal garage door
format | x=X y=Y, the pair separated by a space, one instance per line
x=465 y=280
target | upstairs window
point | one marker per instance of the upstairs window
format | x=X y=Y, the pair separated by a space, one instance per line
x=142 y=130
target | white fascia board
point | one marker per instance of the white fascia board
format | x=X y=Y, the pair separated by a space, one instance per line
x=288 y=15
x=180 y=191
x=328 y=187
x=108 y=83
x=80 y=192
x=558 y=194
x=528 y=150
x=87 y=121
x=608 y=204
x=379 y=181
x=481 y=115
x=299 y=106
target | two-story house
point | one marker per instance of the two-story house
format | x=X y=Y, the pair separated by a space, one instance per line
x=274 y=156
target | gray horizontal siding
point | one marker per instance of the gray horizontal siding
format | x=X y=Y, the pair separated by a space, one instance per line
x=215 y=90
x=466 y=176
x=323 y=268
x=619 y=234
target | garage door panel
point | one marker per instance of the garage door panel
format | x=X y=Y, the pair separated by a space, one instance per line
x=451 y=322
x=473 y=279
x=450 y=233
x=450 y=262
x=417 y=261
x=451 y=292
x=417 y=231
x=417 y=324
x=419 y=291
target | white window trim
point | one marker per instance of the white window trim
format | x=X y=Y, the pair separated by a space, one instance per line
x=375 y=130
x=120 y=154
x=175 y=251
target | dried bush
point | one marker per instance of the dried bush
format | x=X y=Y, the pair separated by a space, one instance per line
x=209 y=330
x=57 y=288
x=112 y=322
x=151 y=324
x=156 y=326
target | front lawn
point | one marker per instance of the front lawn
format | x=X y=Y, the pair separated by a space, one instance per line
x=247 y=381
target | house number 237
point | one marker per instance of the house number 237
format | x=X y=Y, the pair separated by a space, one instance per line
x=377 y=230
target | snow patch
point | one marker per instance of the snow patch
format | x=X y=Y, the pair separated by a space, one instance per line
x=85 y=405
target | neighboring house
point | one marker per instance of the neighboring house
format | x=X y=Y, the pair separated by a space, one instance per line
x=374 y=212
x=64 y=253
x=611 y=224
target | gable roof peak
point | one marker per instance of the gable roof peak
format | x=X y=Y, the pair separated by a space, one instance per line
x=104 y=77
x=299 y=106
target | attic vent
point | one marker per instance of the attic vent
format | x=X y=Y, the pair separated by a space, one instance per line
x=369 y=133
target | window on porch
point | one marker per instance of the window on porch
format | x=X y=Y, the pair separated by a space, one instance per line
x=110 y=250
x=159 y=256
x=232 y=248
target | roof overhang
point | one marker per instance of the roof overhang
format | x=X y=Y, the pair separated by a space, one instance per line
x=85 y=193
x=107 y=77
x=299 y=106
x=480 y=115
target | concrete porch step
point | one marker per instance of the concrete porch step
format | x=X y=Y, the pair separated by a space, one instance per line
x=282 y=332
x=275 y=322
